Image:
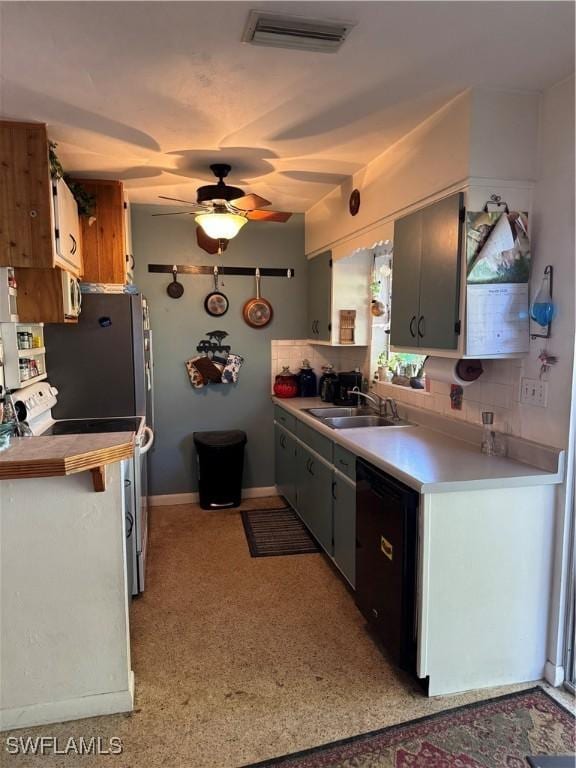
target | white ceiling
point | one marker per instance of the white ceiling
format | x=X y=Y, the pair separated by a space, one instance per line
x=153 y=92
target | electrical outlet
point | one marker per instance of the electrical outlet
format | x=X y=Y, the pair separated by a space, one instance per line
x=534 y=392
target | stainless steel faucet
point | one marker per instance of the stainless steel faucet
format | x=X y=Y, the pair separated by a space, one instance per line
x=381 y=404
x=378 y=402
x=393 y=407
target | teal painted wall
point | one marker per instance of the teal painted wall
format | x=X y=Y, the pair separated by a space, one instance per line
x=179 y=324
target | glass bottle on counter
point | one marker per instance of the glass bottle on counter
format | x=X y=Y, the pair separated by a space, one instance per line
x=493 y=443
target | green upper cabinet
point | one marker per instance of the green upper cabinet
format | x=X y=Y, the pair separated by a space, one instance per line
x=320 y=297
x=406 y=285
x=426 y=277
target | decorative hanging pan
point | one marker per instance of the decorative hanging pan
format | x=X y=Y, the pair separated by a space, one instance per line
x=216 y=303
x=175 y=289
x=257 y=312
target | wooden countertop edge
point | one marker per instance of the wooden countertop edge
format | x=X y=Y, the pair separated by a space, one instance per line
x=65 y=465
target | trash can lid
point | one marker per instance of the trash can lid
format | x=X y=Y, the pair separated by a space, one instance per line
x=221 y=439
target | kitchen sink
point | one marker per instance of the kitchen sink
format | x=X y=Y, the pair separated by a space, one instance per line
x=354 y=422
x=328 y=412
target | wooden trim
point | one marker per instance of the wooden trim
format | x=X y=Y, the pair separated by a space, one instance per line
x=99 y=478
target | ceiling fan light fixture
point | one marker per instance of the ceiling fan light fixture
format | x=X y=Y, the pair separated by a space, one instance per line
x=221 y=226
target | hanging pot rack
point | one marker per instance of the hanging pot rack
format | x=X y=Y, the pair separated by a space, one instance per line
x=194 y=269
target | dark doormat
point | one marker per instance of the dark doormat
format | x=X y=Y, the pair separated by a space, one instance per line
x=496 y=733
x=271 y=532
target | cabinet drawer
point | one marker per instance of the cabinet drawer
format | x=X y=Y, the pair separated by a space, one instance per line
x=285 y=418
x=315 y=440
x=345 y=461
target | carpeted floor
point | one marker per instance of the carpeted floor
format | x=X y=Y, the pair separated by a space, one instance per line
x=240 y=659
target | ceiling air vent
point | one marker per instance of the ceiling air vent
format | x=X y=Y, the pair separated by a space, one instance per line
x=279 y=31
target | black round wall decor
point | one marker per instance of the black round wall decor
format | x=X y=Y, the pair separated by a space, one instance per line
x=354 y=202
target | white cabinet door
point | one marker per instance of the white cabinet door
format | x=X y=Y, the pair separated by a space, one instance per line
x=67 y=225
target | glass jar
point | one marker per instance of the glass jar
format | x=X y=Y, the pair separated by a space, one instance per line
x=307 y=380
x=286 y=384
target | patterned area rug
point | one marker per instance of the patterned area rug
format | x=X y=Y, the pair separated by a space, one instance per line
x=497 y=733
x=276 y=532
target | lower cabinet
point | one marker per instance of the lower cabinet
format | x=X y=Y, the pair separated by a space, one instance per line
x=285 y=463
x=344 y=521
x=314 y=495
x=324 y=497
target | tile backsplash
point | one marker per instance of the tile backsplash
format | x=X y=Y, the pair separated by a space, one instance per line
x=291 y=352
x=497 y=390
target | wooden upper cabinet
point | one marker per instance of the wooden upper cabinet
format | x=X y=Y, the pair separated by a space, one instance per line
x=39 y=223
x=103 y=236
x=26 y=222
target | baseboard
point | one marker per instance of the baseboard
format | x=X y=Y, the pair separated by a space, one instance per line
x=172 y=499
x=554 y=674
x=69 y=709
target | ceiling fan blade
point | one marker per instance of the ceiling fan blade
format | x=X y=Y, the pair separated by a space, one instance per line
x=208 y=244
x=281 y=216
x=177 y=200
x=175 y=213
x=250 y=202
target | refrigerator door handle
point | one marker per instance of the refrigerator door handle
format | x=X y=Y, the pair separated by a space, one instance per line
x=148 y=444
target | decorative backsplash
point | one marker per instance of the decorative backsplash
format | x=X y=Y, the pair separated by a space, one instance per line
x=291 y=352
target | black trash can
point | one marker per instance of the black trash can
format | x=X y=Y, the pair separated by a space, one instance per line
x=220 y=464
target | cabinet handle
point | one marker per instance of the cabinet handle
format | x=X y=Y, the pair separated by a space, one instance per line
x=283 y=441
x=412 y=331
x=375 y=613
x=334 y=490
x=310 y=465
x=130 y=524
x=344 y=463
x=386 y=548
x=421 y=327
x=74 y=245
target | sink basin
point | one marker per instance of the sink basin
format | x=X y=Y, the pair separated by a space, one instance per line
x=329 y=412
x=353 y=422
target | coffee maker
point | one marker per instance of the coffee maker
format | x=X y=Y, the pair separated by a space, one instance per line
x=346 y=382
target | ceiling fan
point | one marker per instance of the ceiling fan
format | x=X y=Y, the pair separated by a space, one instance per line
x=222 y=210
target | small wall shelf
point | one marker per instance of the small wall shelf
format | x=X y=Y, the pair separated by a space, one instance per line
x=17 y=373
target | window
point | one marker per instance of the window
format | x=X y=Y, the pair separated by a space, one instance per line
x=398 y=363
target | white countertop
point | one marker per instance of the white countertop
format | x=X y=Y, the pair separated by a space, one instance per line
x=425 y=459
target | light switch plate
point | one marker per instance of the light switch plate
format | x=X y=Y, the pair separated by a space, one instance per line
x=534 y=392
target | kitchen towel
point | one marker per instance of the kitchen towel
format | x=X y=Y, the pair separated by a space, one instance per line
x=209 y=371
x=232 y=369
x=196 y=378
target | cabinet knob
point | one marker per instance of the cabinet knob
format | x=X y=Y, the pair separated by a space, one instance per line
x=33 y=213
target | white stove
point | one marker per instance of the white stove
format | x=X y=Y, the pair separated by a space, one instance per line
x=33 y=406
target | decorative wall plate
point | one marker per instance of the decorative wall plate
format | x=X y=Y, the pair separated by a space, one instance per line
x=354 y=202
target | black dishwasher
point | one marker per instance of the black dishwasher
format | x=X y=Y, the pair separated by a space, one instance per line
x=386 y=557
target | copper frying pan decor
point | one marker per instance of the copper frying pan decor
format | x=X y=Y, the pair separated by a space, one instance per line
x=257 y=312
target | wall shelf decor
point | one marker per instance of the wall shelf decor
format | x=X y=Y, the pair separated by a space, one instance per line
x=215 y=364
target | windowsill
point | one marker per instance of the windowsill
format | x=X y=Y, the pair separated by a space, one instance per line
x=399 y=387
